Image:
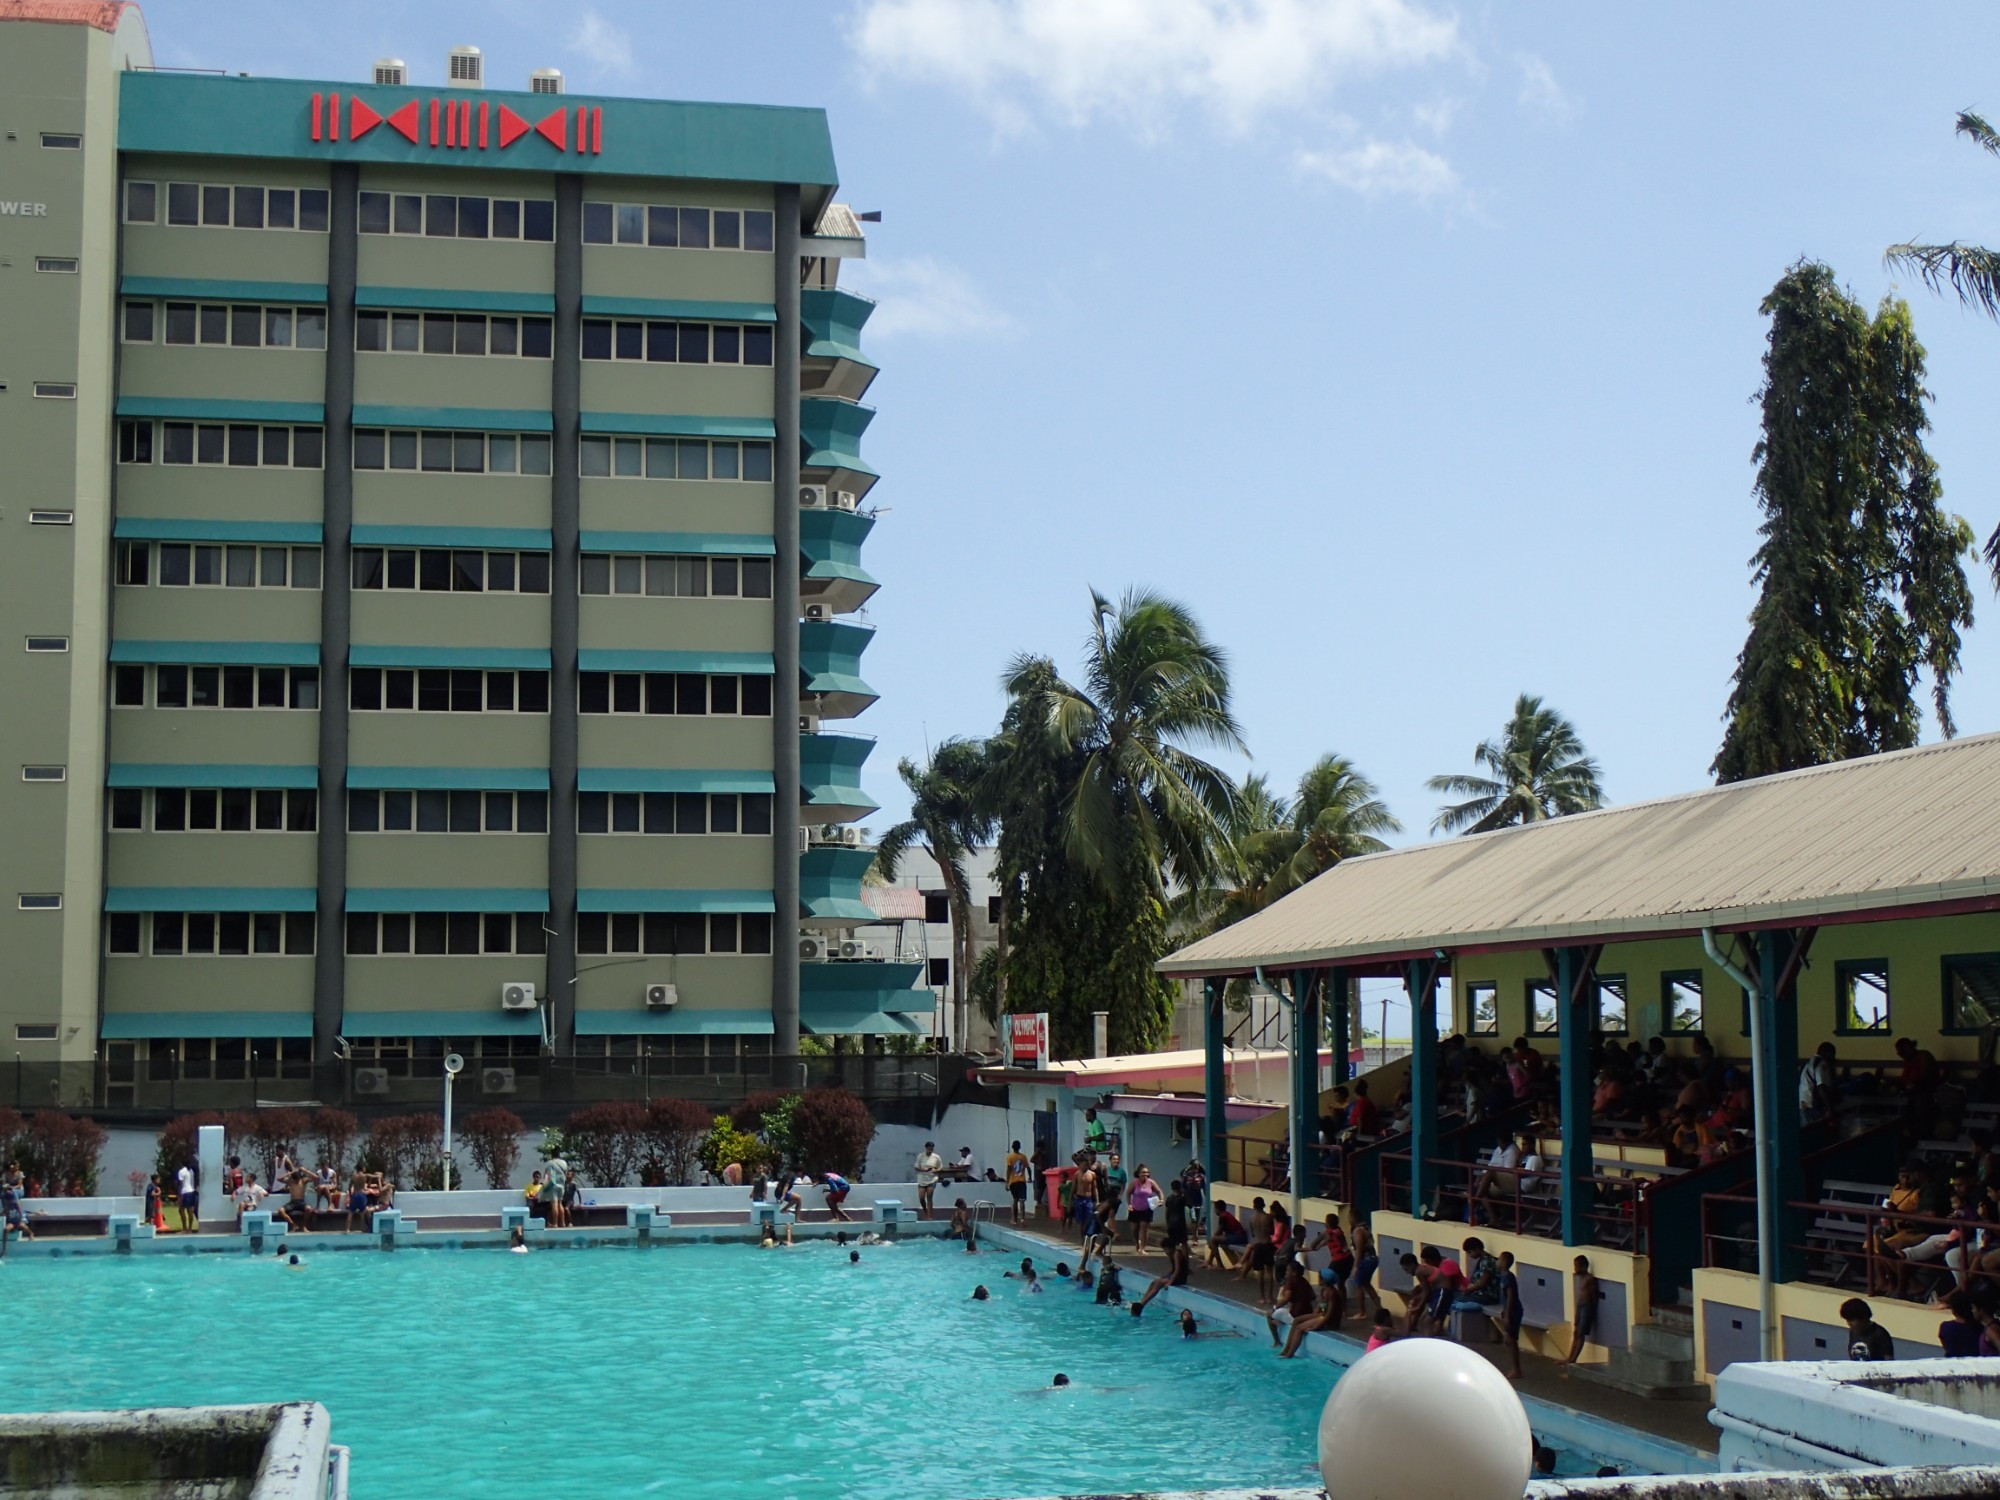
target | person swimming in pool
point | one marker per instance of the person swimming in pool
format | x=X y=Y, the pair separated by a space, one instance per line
x=980 y=1294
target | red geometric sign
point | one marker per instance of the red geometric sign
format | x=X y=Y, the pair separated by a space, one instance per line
x=555 y=129
x=512 y=127
x=360 y=119
x=404 y=122
x=451 y=123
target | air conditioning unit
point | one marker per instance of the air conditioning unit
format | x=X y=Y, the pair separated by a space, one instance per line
x=371 y=1080
x=812 y=497
x=496 y=1080
x=849 y=834
x=518 y=996
x=818 y=611
x=812 y=948
x=661 y=996
x=465 y=68
x=846 y=500
x=545 y=81
x=808 y=723
x=391 y=72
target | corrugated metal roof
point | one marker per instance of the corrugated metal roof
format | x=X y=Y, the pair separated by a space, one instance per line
x=837 y=221
x=895 y=903
x=1869 y=836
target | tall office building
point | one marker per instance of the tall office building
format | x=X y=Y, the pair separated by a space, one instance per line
x=430 y=517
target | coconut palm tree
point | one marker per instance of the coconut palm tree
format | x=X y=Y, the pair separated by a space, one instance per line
x=1539 y=770
x=947 y=820
x=1336 y=814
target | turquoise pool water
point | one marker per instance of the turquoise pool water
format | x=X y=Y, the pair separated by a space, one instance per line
x=690 y=1371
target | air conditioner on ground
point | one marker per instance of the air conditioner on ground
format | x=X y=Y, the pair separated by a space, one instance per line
x=808 y=723
x=813 y=497
x=846 y=500
x=518 y=996
x=496 y=1081
x=661 y=996
x=371 y=1080
x=812 y=948
x=818 y=611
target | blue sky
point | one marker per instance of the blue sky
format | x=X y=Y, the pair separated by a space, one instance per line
x=1414 y=347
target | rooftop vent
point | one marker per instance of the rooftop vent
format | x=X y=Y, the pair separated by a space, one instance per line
x=545 y=81
x=391 y=72
x=466 y=69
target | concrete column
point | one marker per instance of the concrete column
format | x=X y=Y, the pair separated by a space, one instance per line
x=1778 y=1128
x=1305 y=1080
x=1421 y=978
x=565 y=509
x=208 y=1158
x=785 y=638
x=335 y=622
x=1577 y=1017
x=1337 y=999
x=1215 y=1083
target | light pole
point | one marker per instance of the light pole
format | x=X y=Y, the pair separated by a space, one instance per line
x=453 y=1066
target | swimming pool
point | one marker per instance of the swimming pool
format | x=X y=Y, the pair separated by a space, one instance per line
x=693 y=1371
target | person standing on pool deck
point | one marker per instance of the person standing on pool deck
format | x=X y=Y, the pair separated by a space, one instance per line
x=837 y=1190
x=1017 y=1183
x=1194 y=1186
x=929 y=1165
x=189 y=1186
x=1083 y=1202
x=1586 y=1309
x=555 y=1187
x=153 y=1214
x=1095 y=1137
x=1511 y=1313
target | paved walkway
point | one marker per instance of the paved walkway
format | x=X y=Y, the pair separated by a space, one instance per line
x=1677 y=1421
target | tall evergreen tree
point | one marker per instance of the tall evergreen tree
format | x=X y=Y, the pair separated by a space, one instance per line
x=1862 y=569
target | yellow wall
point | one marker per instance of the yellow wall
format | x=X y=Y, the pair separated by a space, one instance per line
x=1906 y=1321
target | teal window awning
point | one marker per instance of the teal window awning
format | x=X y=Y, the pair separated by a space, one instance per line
x=121 y=1026
x=675 y=1022
x=649 y=424
x=460 y=898
x=745 y=663
x=448 y=778
x=833 y=319
x=490 y=658
x=202 y=409
x=858 y=1021
x=292 y=778
x=209 y=898
x=494 y=1022
x=684 y=543
x=444 y=299
x=464 y=418
x=831 y=431
x=674 y=901
x=506 y=538
x=667 y=307
x=647 y=779
x=222 y=291
x=218 y=653
x=150 y=529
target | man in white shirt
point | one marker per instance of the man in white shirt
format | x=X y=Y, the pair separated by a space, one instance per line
x=1499 y=1180
x=965 y=1169
x=188 y=1198
x=929 y=1166
x=249 y=1195
x=1817 y=1097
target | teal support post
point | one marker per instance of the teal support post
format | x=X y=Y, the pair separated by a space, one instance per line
x=1215 y=1084
x=1577 y=1019
x=1780 y=1134
x=1337 y=999
x=1421 y=978
x=1305 y=1080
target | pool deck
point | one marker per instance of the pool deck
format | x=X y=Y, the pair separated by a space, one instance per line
x=1684 y=1423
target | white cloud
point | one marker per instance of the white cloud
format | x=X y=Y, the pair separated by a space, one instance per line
x=1437 y=117
x=1383 y=169
x=603 y=46
x=1137 y=61
x=921 y=297
x=1540 y=91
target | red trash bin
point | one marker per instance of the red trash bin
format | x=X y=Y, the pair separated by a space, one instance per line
x=1055 y=1177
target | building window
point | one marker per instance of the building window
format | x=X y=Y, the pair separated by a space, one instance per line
x=58 y=265
x=1482 y=1008
x=451 y=452
x=33 y=901
x=673 y=458
x=665 y=933
x=45 y=773
x=438 y=690
x=937 y=907
x=179 y=809
x=673 y=227
x=1613 y=1014
x=229 y=206
x=1681 y=1002
x=178 y=686
x=62 y=140
x=236 y=445
x=661 y=343
x=994 y=906
x=1544 y=1015
x=1861 y=996
x=441 y=570
x=235 y=565
x=442 y=216
x=34 y=1031
x=441 y=934
x=1971 y=991
x=234 y=325
x=674 y=812
x=136 y=322
x=435 y=810
x=51 y=518
x=380 y=332
x=225 y=934
x=234 y=1059
x=48 y=643
x=939 y=973
x=663 y=576
x=55 y=390
x=673 y=693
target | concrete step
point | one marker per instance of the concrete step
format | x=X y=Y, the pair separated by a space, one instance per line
x=1617 y=1377
x=1674 y=1317
x=1662 y=1341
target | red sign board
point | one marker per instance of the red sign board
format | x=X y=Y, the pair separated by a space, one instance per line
x=1028 y=1040
x=458 y=123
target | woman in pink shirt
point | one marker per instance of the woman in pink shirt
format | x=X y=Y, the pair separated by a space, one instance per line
x=1140 y=1203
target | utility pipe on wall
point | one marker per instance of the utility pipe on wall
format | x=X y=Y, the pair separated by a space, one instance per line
x=1760 y=1103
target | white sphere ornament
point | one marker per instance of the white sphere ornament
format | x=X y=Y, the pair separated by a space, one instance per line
x=1424 y=1417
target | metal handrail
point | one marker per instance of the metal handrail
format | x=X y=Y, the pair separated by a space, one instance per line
x=1629 y=1195
x=1885 y=1268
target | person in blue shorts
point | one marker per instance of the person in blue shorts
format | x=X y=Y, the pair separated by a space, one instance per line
x=1511 y=1313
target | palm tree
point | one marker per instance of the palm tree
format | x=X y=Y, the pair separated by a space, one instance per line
x=948 y=822
x=1337 y=814
x=1971 y=271
x=1539 y=770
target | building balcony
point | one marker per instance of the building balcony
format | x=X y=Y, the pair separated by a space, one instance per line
x=830 y=777
x=861 y=997
x=830 y=542
x=832 y=363
x=830 y=878
x=831 y=433
x=830 y=663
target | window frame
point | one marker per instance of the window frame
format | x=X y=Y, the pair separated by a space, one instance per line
x=1669 y=979
x=1533 y=987
x=1844 y=972
x=1472 y=989
x=1952 y=1026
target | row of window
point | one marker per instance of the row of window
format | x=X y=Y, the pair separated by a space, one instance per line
x=236 y=445
x=672 y=458
x=239 y=325
x=660 y=343
x=226 y=206
x=446 y=933
x=1861 y=1000
x=457 y=570
x=673 y=227
x=505 y=334
x=176 y=686
x=437 y=811
x=672 y=693
x=215 y=565
x=674 y=812
x=451 y=452
x=234 y=809
x=210 y=934
x=439 y=690
x=456 y=216
x=670 y=576
x=666 y=933
x=224 y=1059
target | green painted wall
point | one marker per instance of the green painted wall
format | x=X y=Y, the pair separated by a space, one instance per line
x=438 y=983
x=730 y=862
x=189 y=492
x=637 y=740
x=406 y=739
x=721 y=983
x=222 y=736
x=620 y=622
x=156 y=984
x=675 y=505
x=406 y=499
x=447 y=860
x=398 y=618
x=223 y=374
x=218 y=859
x=211 y=614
